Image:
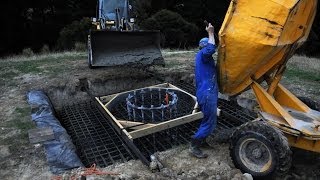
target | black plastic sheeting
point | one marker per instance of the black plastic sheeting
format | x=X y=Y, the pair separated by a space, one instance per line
x=61 y=153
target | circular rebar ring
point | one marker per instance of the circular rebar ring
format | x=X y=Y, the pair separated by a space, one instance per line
x=151 y=105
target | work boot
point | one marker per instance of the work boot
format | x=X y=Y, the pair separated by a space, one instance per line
x=195 y=149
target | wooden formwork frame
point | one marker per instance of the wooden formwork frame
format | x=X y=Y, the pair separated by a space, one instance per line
x=139 y=129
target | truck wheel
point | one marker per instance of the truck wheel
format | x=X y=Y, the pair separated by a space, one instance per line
x=311 y=103
x=261 y=150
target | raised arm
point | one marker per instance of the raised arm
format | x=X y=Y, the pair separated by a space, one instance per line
x=210 y=30
x=210 y=49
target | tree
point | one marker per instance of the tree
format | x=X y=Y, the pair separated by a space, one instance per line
x=176 y=31
x=76 y=32
x=33 y=23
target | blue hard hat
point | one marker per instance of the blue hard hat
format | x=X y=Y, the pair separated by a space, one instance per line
x=203 y=42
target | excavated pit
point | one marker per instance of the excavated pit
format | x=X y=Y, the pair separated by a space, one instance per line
x=96 y=140
x=85 y=89
x=91 y=132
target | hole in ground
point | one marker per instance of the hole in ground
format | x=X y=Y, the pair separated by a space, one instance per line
x=95 y=139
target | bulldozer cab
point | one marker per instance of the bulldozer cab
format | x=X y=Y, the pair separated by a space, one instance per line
x=107 y=9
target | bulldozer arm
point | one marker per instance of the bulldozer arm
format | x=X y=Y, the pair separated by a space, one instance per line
x=119 y=48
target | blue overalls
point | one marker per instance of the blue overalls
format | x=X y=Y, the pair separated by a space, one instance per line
x=207 y=90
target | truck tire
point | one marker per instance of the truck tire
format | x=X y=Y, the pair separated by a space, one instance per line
x=311 y=103
x=261 y=150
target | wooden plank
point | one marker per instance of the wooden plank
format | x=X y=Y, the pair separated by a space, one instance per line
x=166 y=125
x=127 y=123
x=109 y=97
x=164 y=85
x=196 y=106
x=133 y=125
x=125 y=132
x=134 y=148
x=118 y=127
x=109 y=113
x=39 y=135
x=142 y=126
x=175 y=87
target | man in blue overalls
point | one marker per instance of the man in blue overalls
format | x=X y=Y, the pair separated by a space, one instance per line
x=207 y=91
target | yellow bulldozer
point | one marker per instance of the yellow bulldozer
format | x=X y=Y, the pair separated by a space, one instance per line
x=116 y=40
x=257 y=39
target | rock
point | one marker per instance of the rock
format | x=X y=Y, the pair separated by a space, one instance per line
x=223 y=96
x=218 y=177
x=237 y=177
x=203 y=175
x=288 y=177
x=153 y=166
x=91 y=177
x=155 y=163
x=247 y=103
x=135 y=176
x=166 y=172
x=192 y=76
x=247 y=176
x=296 y=176
x=4 y=151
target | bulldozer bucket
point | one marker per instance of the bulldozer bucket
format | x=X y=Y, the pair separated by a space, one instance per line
x=115 y=48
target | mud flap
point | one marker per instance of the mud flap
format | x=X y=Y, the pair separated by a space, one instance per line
x=115 y=48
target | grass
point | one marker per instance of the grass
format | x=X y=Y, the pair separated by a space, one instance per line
x=168 y=50
x=15 y=142
x=176 y=59
x=179 y=54
x=7 y=75
x=22 y=111
x=302 y=74
x=71 y=55
x=52 y=63
x=15 y=65
x=303 y=68
x=305 y=63
x=20 y=121
x=173 y=64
